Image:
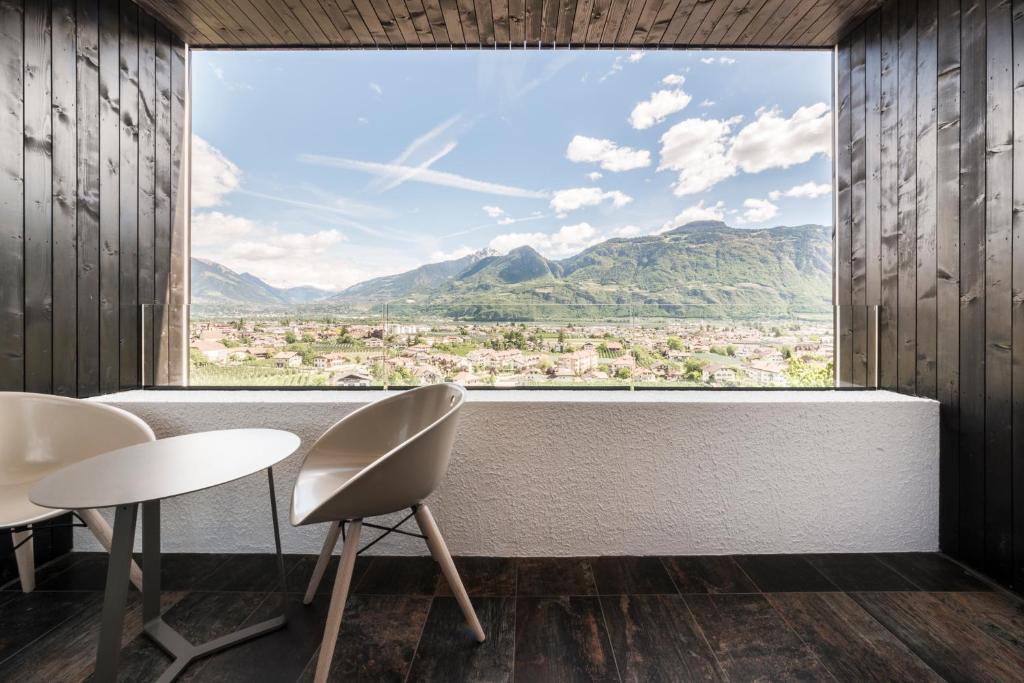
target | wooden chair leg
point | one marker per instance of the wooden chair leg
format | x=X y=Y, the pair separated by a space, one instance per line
x=321 y=563
x=339 y=594
x=440 y=552
x=25 y=558
x=104 y=534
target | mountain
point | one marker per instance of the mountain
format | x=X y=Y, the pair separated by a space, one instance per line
x=423 y=279
x=213 y=283
x=704 y=262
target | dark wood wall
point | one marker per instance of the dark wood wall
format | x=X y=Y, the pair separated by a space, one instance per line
x=93 y=195
x=930 y=226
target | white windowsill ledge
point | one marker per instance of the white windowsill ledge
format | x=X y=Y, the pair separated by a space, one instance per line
x=514 y=396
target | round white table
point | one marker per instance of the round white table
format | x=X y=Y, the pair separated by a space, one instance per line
x=144 y=475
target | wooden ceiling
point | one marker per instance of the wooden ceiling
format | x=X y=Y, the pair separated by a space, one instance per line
x=511 y=23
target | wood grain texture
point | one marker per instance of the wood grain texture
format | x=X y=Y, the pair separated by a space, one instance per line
x=493 y=23
x=109 y=196
x=88 y=196
x=872 y=193
x=847 y=640
x=1018 y=292
x=906 y=155
x=947 y=258
x=63 y=122
x=128 y=189
x=38 y=175
x=925 y=248
x=843 y=298
x=858 y=208
x=562 y=639
x=12 y=197
x=655 y=638
x=77 y=203
x=888 y=333
x=751 y=641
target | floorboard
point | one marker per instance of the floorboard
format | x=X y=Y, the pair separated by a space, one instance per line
x=845 y=617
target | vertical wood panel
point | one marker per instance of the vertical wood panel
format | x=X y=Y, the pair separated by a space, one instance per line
x=947 y=252
x=888 y=335
x=998 y=305
x=12 y=199
x=1018 y=292
x=109 y=138
x=178 y=324
x=65 y=291
x=907 y=197
x=927 y=26
x=972 y=282
x=128 y=178
x=38 y=173
x=858 y=160
x=147 y=193
x=873 y=188
x=88 y=196
x=844 y=246
x=162 y=204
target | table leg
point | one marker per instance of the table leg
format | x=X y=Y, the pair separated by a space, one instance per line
x=150 y=561
x=277 y=540
x=116 y=594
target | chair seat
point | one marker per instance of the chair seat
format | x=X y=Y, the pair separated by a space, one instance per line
x=17 y=510
x=317 y=484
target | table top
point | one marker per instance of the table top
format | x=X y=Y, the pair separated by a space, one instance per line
x=164 y=468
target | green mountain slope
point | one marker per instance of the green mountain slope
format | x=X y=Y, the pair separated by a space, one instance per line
x=699 y=263
x=213 y=283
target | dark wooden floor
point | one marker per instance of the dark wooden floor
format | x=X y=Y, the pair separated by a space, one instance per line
x=911 y=617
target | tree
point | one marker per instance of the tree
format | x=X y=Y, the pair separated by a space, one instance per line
x=197 y=358
x=803 y=374
x=623 y=373
x=675 y=343
x=693 y=369
x=289 y=337
x=308 y=338
x=730 y=350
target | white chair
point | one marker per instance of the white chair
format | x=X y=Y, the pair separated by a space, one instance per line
x=39 y=434
x=385 y=457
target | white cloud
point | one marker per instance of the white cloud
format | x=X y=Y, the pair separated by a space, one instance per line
x=376 y=88
x=565 y=201
x=420 y=154
x=772 y=141
x=282 y=257
x=213 y=175
x=809 y=189
x=619 y=63
x=697 y=212
x=461 y=252
x=609 y=155
x=422 y=175
x=674 y=79
x=493 y=211
x=660 y=105
x=215 y=228
x=506 y=220
x=594 y=176
x=719 y=60
x=698 y=150
x=569 y=240
x=627 y=231
x=707 y=103
x=757 y=211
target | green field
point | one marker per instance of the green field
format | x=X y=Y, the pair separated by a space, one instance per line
x=253 y=376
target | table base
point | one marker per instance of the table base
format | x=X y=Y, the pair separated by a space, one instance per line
x=116 y=595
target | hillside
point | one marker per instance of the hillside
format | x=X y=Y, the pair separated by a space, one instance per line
x=699 y=263
x=213 y=283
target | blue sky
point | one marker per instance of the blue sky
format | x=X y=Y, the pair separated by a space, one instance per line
x=331 y=167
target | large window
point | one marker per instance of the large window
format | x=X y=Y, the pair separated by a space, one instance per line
x=545 y=218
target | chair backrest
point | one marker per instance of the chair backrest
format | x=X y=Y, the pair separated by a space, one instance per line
x=400 y=446
x=40 y=433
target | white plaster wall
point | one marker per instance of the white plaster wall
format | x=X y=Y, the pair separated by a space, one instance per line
x=606 y=473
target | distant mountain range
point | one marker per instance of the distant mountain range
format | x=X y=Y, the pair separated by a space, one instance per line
x=698 y=263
